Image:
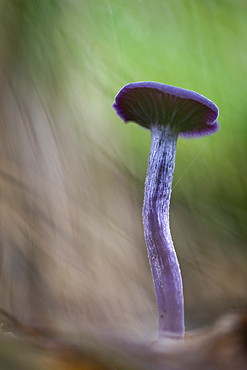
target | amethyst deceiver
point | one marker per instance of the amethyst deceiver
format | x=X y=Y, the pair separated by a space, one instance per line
x=168 y=112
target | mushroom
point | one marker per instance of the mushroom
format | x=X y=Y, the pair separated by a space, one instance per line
x=168 y=112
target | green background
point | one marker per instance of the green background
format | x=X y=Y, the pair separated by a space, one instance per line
x=79 y=54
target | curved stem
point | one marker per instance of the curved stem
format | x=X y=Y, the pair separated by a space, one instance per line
x=162 y=256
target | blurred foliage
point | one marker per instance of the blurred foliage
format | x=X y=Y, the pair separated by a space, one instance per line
x=76 y=55
x=221 y=347
x=102 y=45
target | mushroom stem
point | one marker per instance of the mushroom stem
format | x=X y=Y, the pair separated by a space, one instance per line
x=162 y=256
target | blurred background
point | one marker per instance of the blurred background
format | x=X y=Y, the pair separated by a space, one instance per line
x=72 y=251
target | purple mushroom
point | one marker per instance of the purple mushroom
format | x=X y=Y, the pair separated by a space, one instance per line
x=168 y=112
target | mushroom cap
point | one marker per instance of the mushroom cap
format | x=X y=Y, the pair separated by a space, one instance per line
x=188 y=113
